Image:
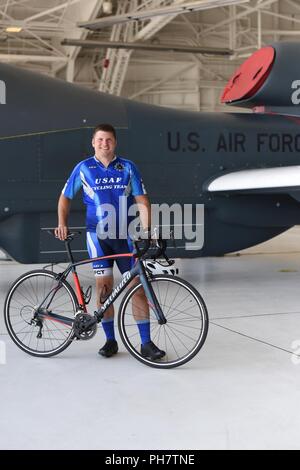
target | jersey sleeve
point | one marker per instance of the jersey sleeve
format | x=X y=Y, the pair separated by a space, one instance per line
x=73 y=184
x=137 y=185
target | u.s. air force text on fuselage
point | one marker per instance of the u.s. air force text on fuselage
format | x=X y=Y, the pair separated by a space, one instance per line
x=194 y=141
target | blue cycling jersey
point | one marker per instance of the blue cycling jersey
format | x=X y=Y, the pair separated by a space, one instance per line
x=105 y=185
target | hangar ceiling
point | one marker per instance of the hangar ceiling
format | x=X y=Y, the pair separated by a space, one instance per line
x=32 y=32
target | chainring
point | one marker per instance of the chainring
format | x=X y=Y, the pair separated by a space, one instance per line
x=83 y=330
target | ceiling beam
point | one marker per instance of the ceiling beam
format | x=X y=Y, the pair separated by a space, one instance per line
x=147 y=14
x=238 y=16
x=92 y=44
x=51 y=10
x=31 y=58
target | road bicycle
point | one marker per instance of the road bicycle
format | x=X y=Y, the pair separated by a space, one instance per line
x=44 y=314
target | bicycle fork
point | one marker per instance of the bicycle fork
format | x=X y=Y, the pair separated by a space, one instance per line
x=151 y=297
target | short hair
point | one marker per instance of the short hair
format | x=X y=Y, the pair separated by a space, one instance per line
x=105 y=128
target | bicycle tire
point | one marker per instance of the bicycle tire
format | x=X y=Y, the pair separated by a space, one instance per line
x=128 y=330
x=11 y=310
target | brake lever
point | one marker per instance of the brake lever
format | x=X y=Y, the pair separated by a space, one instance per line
x=162 y=252
x=139 y=253
x=168 y=260
x=172 y=238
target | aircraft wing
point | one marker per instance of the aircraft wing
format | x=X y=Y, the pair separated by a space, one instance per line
x=271 y=180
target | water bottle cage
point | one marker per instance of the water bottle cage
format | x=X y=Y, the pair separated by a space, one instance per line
x=87 y=295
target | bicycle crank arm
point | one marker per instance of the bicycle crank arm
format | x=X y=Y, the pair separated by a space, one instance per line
x=85 y=326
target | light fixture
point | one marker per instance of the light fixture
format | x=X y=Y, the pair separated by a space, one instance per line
x=13 y=29
x=107 y=7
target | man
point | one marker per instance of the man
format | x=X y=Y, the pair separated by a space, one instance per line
x=107 y=180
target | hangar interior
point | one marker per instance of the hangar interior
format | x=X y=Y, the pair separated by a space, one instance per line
x=185 y=80
x=242 y=389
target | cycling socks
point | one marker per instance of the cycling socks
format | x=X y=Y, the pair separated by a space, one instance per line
x=144 y=329
x=108 y=327
x=143 y=326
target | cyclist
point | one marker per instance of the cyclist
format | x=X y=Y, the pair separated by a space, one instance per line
x=107 y=181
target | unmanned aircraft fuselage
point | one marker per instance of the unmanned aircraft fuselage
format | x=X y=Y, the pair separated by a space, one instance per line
x=228 y=162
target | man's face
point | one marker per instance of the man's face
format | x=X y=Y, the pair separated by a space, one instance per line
x=104 y=143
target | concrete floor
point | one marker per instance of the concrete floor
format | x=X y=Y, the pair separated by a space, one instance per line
x=242 y=391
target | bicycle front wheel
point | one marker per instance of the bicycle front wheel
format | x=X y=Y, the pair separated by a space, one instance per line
x=39 y=310
x=181 y=337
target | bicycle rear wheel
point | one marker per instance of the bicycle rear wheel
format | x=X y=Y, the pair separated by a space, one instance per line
x=28 y=307
x=187 y=321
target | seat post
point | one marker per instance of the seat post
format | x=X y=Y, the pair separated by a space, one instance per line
x=68 y=248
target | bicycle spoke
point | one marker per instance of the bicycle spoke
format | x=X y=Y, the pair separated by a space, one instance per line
x=40 y=289
x=185 y=329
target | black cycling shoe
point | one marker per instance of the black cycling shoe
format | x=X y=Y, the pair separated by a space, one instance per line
x=109 y=349
x=152 y=352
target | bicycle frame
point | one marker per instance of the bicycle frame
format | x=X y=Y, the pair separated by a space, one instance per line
x=137 y=270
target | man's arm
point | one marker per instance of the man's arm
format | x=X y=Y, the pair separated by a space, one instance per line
x=64 y=205
x=144 y=207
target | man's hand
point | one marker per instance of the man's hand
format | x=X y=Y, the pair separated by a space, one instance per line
x=61 y=232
